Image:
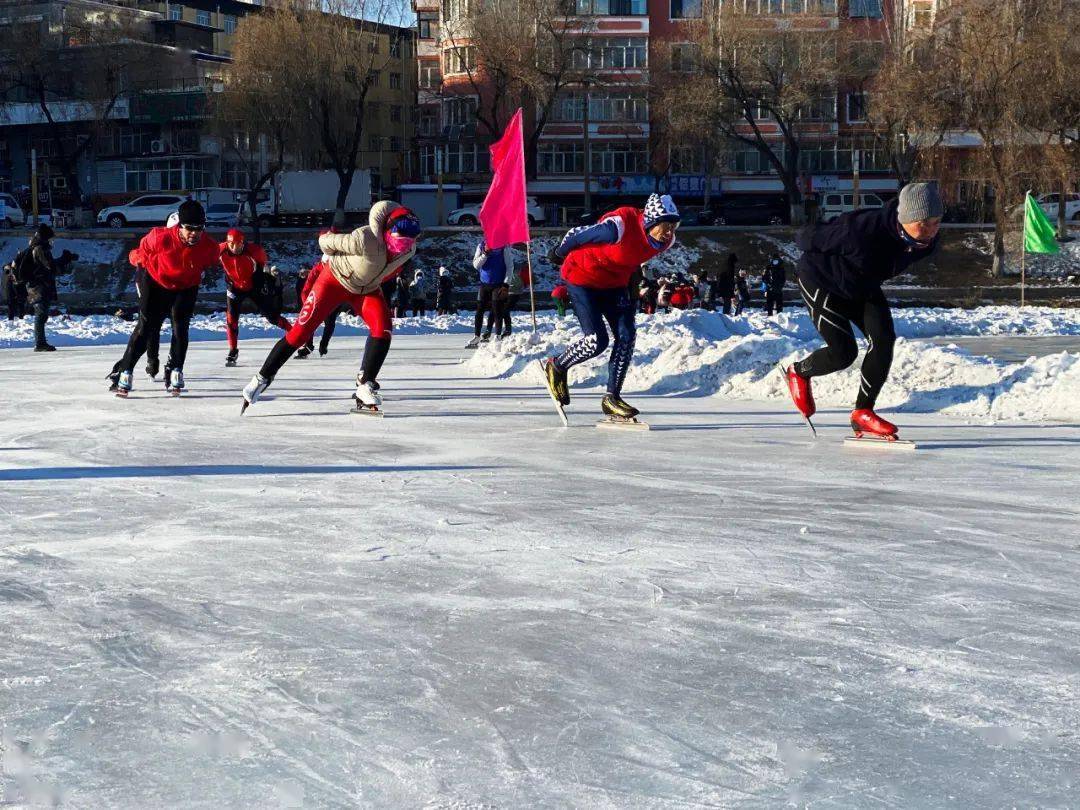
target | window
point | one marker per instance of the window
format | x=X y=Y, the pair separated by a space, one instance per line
x=395 y=144
x=395 y=81
x=230 y=24
x=819 y=157
x=615 y=106
x=461 y=111
x=176 y=12
x=427 y=25
x=202 y=17
x=685 y=9
x=427 y=160
x=395 y=47
x=922 y=14
x=611 y=8
x=429 y=75
x=459 y=60
x=685 y=57
x=857 y=104
x=395 y=113
x=466 y=158
x=865 y=8
x=612 y=53
x=687 y=160
x=622 y=157
x=822 y=108
x=748 y=161
x=561 y=158
x=429 y=121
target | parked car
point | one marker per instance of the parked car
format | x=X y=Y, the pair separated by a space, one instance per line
x=1049 y=204
x=11 y=215
x=470 y=214
x=836 y=204
x=745 y=210
x=222 y=215
x=150 y=209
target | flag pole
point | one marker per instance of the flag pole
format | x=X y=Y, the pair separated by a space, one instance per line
x=1023 y=251
x=532 y=285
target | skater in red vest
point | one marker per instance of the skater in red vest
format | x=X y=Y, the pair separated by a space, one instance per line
x=245 y=265
x=840 y=273
x=597 y=263
x=354 y=266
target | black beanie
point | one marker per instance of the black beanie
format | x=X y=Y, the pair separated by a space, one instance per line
x=191 y=213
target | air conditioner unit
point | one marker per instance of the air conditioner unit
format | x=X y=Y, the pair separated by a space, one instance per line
x=59 y=182
x=157 y=147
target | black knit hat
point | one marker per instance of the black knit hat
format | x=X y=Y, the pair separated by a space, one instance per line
x=44 y=233
x=191 y=213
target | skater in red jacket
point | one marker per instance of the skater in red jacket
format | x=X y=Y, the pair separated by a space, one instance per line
x=597 y=263
x=245 y=277
x=170 y=264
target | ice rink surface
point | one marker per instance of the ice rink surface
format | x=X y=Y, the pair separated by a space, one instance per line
x=464 y=605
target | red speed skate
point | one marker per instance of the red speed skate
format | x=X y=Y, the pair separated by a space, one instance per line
x=864 y=422
x=801 y=395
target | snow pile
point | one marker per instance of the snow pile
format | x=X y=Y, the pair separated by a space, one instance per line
x=107 y=329
x=705 y=354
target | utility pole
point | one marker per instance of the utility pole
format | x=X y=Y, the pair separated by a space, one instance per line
x=588 y=156
x=855 y=155
x=34 y=186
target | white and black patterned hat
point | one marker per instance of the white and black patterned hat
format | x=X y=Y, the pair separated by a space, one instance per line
x=660 y=208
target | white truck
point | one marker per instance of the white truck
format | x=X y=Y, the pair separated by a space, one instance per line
x=308 y=197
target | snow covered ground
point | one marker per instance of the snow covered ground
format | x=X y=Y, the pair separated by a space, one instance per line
x=466 y=605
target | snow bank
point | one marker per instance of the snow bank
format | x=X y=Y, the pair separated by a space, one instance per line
x=705 y=354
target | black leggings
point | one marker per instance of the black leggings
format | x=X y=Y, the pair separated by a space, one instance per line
x=484 y=301
x=834 y=316
x=155 y=303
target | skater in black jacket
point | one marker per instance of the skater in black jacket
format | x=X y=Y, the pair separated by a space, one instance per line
x=840 y=273
x=775 y=276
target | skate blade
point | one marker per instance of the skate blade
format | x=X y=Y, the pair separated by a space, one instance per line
x=622 y=424
x=878 y=443
x=558 y=405
x=175 y=392
x=122 y=394
x=362 y=411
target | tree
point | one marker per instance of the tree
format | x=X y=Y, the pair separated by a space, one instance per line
x=518 y=53
x=982 y=66
x=329 y=57
x=759 y=83
x=75 y=74
x=256 y=114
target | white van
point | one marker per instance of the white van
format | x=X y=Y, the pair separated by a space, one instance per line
x=11 y=213
x=837 y=203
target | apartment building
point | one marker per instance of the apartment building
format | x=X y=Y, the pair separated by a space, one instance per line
x=600 y=133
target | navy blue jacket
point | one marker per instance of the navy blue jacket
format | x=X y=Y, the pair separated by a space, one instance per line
x=853 y=255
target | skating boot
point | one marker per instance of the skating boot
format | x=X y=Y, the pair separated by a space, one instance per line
x=152 y=368
x=486 y=337
x=45 y=347
x=367 y=399
x=323 y=349
x=801 y=393
x=864 y=422
x=114 y=380
x=556 y=382
x=123 y=384
x=230 y=358
x=472 y=344
x=619 y=413
x=176 y=381
x=253 y=390
x=373 y=383
x=303 y=352
x=167 y=376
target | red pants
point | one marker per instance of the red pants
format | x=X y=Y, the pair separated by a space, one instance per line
x=326 y=296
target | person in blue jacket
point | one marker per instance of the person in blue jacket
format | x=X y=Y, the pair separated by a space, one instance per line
x=494 y=265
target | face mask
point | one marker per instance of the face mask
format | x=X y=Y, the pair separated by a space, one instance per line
x=397 y=245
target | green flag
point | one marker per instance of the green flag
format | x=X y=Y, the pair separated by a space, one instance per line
x=1038 y=232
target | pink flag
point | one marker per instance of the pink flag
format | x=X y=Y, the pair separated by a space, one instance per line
x=503 y=215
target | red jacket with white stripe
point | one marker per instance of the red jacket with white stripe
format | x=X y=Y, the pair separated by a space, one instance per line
x=609 y=265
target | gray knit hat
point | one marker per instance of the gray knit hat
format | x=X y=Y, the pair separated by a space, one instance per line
x=919 y=201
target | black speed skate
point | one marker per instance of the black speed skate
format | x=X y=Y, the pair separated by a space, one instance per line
x=619 y=413
x=152 y=367
x=230 y=358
